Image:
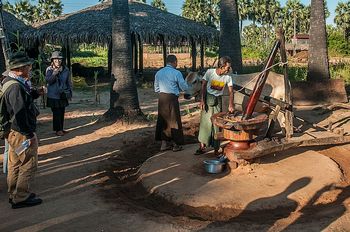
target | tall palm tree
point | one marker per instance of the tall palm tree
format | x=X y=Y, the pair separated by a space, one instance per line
x=123 y=98
x=159 y=4
x=342 y=18
x=243 y=11
x=318 y=53
x=230 y=40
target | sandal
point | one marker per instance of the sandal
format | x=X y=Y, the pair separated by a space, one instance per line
x=177 y=148
x=59 y=133
x=200 y=151
x=166 y=148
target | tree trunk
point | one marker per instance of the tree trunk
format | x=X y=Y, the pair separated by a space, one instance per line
x=318 y=54
x=230 y=41
x=193 y=54
x=123 y=99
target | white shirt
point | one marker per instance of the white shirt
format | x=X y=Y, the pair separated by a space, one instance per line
x=216 y=83
x=169 y=80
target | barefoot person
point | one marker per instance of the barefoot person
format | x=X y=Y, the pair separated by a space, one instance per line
x=168 y=83
x=59 y=91
x=22 y=111
x=213 y=84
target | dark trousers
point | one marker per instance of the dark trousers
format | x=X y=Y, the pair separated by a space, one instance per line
x=58 y=118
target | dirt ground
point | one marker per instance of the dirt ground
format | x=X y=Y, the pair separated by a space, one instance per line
x=86 y=178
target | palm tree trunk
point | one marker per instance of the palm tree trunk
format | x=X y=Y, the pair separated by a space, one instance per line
x=318 y=54
x=123 y=98
x=230 y=41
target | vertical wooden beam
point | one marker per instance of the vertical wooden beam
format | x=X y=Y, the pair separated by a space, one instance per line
x=164 y=50
x=133 y=50
x=140 y=56
x=193 y=54
x=202 y=54
x=136 y=55
x=288 y=92
x=109 y=60
x=68 y=56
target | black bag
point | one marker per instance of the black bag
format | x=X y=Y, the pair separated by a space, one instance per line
x=66 y=94
x=5 y=119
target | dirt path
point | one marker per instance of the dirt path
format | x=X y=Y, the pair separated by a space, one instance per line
x=85 y=179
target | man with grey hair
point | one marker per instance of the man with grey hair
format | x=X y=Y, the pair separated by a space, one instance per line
x=168 y=83
x=22 y=112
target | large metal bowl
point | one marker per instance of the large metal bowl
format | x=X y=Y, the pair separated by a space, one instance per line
x=213 y=166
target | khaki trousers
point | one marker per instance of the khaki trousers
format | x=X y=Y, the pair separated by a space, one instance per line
x=21 y=168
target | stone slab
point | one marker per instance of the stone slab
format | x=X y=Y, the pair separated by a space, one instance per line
x=281 y=181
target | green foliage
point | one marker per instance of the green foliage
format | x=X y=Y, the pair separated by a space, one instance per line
x=341 y=71
x=204 y=11
x=29 y=13
x=79 y=82
x=342 y=18
x=337 y=44
x=159 y=4
x=90 y=55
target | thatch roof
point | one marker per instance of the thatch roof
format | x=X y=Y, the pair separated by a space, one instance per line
x=12 y=25
x=94 y=24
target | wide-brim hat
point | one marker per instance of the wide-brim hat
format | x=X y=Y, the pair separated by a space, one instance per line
x=56 y=55
x=19 y=59
x=6 y=73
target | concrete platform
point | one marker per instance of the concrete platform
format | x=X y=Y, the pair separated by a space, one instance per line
x=283 y=181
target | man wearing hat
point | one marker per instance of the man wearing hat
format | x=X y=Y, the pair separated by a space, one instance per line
x=23 y=112
x=59 y=91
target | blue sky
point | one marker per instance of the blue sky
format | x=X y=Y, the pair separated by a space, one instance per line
x=174 y=6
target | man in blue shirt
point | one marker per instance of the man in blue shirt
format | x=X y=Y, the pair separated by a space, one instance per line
x=168 y=83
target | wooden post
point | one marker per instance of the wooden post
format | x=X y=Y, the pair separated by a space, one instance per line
x=133 y=42
x=140 y=56
x=136 y=55
x=202 y=54
x=288 y=93
x=164 y=50
x=193 y=54
x=68 y=58
x=109 y=59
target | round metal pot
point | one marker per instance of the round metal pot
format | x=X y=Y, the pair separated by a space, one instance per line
x=213 y=166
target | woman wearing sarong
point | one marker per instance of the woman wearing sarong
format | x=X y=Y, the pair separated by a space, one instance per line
x=213 y=84
x=168 y=83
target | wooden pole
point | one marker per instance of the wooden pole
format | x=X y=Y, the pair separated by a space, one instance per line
x=136 y=55
x=193 y=54
x=133 y=42
x=288 y=92
x=202 y=54
x=140 y=56
x=164 y=50
x=68 y=56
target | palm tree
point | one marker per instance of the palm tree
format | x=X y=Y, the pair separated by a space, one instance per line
x=243 y=11
x=318 y=53
x=342 y=18
x=159 y=4
x=230 y=41
x=123 y=98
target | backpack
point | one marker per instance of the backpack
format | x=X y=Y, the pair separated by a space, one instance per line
x=5 y=119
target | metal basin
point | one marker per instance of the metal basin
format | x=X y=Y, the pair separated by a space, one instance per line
x=213 y=166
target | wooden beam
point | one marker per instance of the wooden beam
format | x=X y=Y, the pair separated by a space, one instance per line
x=110 y=59
x=288 y=90
x=68 y=56
x=133 y=50
x=136 y=64
x=193 y=54
x=140 y=55
x=164 y=50
x=202 y=54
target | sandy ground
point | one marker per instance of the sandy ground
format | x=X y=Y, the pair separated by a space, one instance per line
x=86 y=179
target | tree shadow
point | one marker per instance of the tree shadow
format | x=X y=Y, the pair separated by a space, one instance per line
x=325 y=213
x=266 y=211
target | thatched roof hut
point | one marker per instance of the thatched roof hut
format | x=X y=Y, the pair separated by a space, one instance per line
x=12 y=25
x=94 y=25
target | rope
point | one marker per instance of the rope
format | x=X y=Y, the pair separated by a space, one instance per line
x=280 y=63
